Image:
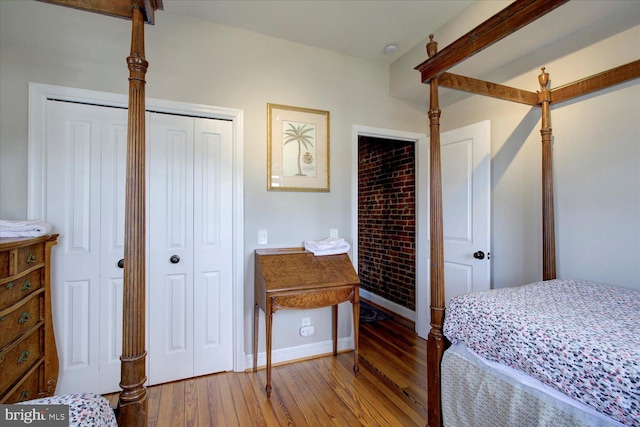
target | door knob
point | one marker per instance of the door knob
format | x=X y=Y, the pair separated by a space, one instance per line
x=174 y=259
x=121 y=263
x=478 y=255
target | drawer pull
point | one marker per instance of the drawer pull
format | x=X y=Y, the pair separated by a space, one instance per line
x=24 y=317
x=24 y=396
x=2 y=318
x=26 y=286
x=10 y=285
x=23 y=357
x=31 y=258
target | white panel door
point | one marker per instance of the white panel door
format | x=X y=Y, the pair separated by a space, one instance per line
x=113 y=185
x=466 y=198
x=75 y=202
x=213 y=247
x=170 y=148
x=190 y=246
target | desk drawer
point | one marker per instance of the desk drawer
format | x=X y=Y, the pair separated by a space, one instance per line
x=315 y=299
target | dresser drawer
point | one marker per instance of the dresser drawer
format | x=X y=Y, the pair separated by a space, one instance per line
x=30 y=388
x=21 y=319
x=28 y=257
x=19 y=358
x=5 y=264
x=17 y=289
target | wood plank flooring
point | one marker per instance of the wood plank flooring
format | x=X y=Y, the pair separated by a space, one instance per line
x=390 y=389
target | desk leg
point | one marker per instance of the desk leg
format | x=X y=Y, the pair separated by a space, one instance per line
x=334 y=328
x=356 y=332
x=268 y=317
x=256 y=318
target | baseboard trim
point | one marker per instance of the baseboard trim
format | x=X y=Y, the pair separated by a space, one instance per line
x=298 y=353
x=388 y=305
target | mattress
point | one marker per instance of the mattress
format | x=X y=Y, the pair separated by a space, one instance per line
x=579 y=338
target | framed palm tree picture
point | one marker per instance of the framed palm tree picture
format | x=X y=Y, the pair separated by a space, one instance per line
x=297 y=149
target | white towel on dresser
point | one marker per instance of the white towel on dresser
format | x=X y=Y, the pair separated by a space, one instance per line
x=11 y=228
x=328 y=246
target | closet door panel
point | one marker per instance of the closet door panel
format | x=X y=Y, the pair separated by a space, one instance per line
x=170 y=253
x=114 y=162
x=213 y=247
x=176 y=337
x=76 y=324
x=73 y=149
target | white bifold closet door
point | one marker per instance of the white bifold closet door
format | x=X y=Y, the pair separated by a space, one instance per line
x=188 y=215
x=190 y=243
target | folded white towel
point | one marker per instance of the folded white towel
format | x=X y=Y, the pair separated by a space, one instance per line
x=329 y=246
x=329 y=242
x=10 y=228
x=335 y=251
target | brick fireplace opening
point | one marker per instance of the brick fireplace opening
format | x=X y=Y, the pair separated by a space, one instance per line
x=387 y=219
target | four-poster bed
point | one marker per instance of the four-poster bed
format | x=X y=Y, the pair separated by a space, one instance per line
x=434 y=72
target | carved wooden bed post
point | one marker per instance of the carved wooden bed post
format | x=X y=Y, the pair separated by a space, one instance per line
x=436 y=341
x=548 y=229
x=132 y=403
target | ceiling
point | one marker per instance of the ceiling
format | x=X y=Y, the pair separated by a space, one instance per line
x=358 y=28
x=362 y=28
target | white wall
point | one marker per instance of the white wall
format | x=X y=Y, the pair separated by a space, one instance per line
x=203 y=63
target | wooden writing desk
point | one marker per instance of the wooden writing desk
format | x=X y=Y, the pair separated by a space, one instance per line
x=295 y=279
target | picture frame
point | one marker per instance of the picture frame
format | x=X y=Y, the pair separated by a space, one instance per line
x=297 y=149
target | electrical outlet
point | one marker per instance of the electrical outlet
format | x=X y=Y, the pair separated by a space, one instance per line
x=333 y=232
x=307 y=331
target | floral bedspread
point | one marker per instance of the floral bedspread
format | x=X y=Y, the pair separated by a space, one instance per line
x=582 y=338
x=85 y=409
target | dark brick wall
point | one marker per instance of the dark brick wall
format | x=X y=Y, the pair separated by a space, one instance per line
x=386 y=219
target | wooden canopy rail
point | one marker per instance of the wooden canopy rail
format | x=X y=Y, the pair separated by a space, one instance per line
x=433 y=71
x=117 y=8
x=132 y=403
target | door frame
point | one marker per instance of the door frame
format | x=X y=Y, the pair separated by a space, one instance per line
x=40 y=94
x=420 y=316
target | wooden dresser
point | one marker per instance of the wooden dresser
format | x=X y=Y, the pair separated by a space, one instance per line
x=28 y=354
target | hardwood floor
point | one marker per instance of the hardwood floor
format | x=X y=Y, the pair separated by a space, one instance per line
x=390 y=389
